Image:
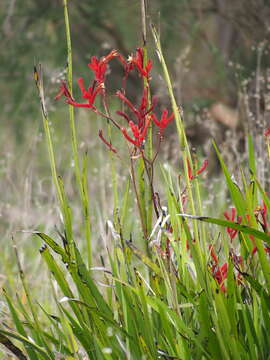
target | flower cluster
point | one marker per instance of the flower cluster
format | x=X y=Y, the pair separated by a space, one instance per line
x=165 y=119
x=219 y=273
x=141 y=116
x=138 y=62
x=231 y=216
x=191 y=175
x=89 y=94
x=260 y=214
x=139 y=133
x=99 y=67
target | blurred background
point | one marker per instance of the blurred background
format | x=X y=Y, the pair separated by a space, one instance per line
x=218 y=55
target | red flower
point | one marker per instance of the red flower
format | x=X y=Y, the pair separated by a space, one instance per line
x=99 y=67
x=138 y=61
x=261 y=216
x=203 y=167
x=198 y=172
x=139 y=133
x=165 y=119
x=89 y=94
x=267 y=132
x=139 y=113
x=219 y=273
x=63 y=91
x=128 y=103
x=231 y=217
x=254 y=250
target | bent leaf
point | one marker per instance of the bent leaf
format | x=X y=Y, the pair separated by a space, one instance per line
x=225 y=223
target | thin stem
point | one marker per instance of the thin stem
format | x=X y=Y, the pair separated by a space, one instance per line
x=106 y=116
x=81 y=184
x=39 y=83
x=143 y=16
x=138 y=199
x=29 y=300
x=112 y=159
x=158 y=148
x=150 y=175
x=183 y=144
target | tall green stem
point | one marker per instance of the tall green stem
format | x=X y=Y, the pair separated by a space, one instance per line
x=183 y=142
x=56 y=179
x=82 y=184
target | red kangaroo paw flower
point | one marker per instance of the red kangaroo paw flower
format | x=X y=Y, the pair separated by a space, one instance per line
x=89 y=94
x=92 y=92
x=191 y=177
x=165 y=119
x=198 y=172
x=127 y=102
x=134 y=142
x=144 y=101
x=219 y=273
x=114 y=53
x=213 y=254
x=135 y=129
x=125 y=116
x=138 y=60
x=231 y=217
x=140 y=113
x=138 y=133
x=145 y=128
x=63 y=91
x=99 y=67
x=203 y=167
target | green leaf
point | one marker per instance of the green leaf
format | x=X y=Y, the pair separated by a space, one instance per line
x=53 y=245
x=145 y=259
x=260 y=290
x=28 y=343
x=20 y=328
x=4 y=340
x=236 y=194
x=225 y=223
